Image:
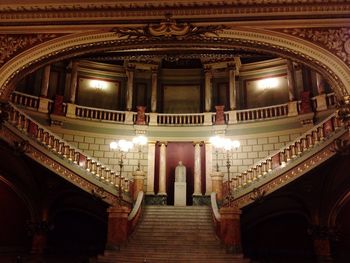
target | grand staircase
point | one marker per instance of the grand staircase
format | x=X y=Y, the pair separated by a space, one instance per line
x=173 y=234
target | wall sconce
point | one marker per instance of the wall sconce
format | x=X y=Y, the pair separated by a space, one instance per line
x=98 y=84
x=268 y=83
x=140 y=140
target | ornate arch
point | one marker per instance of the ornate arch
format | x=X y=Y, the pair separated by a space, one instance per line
x=282 y=44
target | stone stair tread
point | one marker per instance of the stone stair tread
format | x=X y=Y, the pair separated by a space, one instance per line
x=172 y=234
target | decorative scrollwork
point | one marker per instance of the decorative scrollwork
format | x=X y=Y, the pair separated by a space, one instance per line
x=258 y=195
x=343 y=111
x=341 y=147
x=99 y=193
x=168 y=28
x=21 y=147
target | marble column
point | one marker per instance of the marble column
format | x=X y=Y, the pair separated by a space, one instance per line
x=230 y=231
x=208 y=89
x=208 y=167
x=73 y=82
x=320 y=84
x=232 y=86
x=117 y=233
x=43 y=100
x=45 y=81
x=290 y=80
x=154 y=90
x=150 y=168
x=162 y=169
x=197 y=169
x=129 y=90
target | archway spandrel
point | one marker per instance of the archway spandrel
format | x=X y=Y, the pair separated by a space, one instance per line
x=335 y=40
x=13 y=44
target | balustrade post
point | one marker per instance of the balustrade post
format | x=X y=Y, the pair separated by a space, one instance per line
x=217 y=185
x=138 y=185
x=117 y=233
x=230 y=229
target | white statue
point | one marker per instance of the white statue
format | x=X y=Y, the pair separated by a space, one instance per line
x=180 y=173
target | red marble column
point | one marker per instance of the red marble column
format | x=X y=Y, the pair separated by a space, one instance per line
x=117 y=226
x=322 y=248
x=230 y=229
x=39 y=242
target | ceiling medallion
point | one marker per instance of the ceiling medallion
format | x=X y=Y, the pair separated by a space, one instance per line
x=168 y=29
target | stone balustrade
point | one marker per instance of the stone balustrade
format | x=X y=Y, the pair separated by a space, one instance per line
x=66 y=151
x=320 y=102
x=283 y=156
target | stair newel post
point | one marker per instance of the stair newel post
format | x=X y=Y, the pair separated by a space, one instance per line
x=137 y=186
x=217 y=185
x=117 y=226
x=230 y=231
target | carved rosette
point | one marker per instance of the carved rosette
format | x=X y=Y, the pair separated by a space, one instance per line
x=11 y=45
x=336 y=40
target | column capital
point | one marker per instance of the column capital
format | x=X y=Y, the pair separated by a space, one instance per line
x=200 y=143
x=162 y=143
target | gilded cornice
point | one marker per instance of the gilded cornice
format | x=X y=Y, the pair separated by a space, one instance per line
x=11 y=45
x=336 y=40
x=86 y=12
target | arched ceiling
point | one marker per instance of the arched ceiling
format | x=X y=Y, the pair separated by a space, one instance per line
x=34 y=33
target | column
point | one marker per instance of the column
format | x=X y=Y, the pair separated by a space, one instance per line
x=154 y=90
x=45 y=81
x=208 y=89
x=129 y=90
x=39 y=230
x=208 y=167
x=162 y=169
x=232 y=86
x=43 y=100
x=70 y=112
x=320 y=84
x=117 y=233
x=73 y=82
x=290 y=80
x=150 y=168
x=230 y=231
x=197 y=169
x=321 y=102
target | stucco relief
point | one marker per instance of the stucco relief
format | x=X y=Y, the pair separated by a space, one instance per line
x=335 y=40
x=11 y=45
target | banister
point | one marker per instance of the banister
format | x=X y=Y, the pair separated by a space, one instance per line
x=214 y=207
x=59 y=147
x=135 y=213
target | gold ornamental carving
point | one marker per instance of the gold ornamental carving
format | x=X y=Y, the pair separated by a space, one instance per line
x=167 y=29
x=11 y=45
x=335 y=40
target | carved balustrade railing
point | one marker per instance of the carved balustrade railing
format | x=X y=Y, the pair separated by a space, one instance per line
x=179 y=119
x=25 y=100
x=272 y=166
x=170 y=119
x=99 y=114
x=263 y=113
x=95 y=170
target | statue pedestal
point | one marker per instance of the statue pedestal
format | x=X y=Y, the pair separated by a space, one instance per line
x=180 y=194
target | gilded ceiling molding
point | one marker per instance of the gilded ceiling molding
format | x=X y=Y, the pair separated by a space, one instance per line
x=337 y=71
x=282 y=44
x=131 y=10
x=336 y=40
x=13 y=44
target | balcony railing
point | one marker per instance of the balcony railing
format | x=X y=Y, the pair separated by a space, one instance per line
x=170 y=119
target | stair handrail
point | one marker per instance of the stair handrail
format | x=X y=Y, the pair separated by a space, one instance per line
x=66 y=144
x=267 y=161
x=216 y=214
x=134 y=216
